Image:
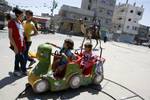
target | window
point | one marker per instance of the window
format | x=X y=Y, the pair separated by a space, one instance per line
x=119 y=18
x=139 y=13
x=128 y=27
x=109 y=12
x=134 y=28
x=85 y=18
x=111 y=3
x=131 y=11
x=2 y=18
x=101 y=18
x=93 y=9
x=129 y=19
x=122 y=10
x=103 y=1
x=89 y=7
x=90 y=1
x=108 y=21
x=119 y=26
x=134 y=21
x=101 y=9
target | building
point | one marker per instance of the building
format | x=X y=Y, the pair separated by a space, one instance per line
x=69 y=18
x=45 y=15
x=126 y=21
x=90 y=10
x=103 y=10
x=4 y=8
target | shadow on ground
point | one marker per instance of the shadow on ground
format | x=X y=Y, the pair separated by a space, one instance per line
x=8 y=80
x=62 y=95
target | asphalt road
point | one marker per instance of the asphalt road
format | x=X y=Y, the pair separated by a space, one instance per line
x=126 y=70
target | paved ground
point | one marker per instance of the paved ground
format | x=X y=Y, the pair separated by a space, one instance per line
x=127 y=70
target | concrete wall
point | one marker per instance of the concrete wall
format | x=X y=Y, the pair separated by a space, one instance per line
x=127 y=38
x=103 y=9
x=126 y=18
x=70 y=18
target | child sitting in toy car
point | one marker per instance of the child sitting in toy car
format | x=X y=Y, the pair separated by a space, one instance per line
x=87 y=59
x=61 y=60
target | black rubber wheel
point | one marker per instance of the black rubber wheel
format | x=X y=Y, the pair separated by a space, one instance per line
x=41 y=86
x=75 y=81
x=98 y=79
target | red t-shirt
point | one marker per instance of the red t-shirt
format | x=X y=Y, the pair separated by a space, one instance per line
x=19 y=41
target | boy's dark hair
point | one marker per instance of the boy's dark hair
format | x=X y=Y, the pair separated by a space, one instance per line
x=8 y=17
x=69 y=43
x=17 y=11
x=29 y=12
x=88 y=45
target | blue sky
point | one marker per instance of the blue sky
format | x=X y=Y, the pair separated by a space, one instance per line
x=38 y=6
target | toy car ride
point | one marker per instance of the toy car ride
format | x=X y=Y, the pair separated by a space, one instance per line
x=42 y=77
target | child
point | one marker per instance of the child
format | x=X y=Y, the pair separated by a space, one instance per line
x=87 y=59
x=67 y=47
x=59 y=64
x=16 y=37
x=28 y=28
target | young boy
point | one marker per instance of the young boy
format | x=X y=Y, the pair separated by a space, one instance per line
x=59 y=64
x=28 y=28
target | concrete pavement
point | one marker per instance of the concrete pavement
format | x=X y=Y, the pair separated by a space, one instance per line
x=126 y=65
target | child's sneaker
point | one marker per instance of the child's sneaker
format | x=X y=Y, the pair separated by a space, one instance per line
x=17 y=73
x=24 y=73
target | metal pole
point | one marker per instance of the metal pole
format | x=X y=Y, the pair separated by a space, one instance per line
x=52 y=11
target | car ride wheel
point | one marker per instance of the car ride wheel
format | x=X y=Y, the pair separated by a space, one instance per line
x=40 y=86
x=98 y=79
x=75 y=81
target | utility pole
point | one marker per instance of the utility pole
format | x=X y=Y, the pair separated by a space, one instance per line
x=54 y=5
x=127 y=2
x=52 y=9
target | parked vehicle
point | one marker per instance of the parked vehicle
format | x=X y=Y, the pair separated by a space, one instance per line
x=147 y=44
x=2 y=21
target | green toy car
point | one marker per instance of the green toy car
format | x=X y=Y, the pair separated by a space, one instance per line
x=41 y=77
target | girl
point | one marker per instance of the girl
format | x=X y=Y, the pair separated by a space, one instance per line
x=16 y=37
x=87 y=59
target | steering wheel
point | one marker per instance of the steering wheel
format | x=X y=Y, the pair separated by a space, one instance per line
x=56 y=53
x=76 y=52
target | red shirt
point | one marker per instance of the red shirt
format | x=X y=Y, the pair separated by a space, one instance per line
x=19 y=41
